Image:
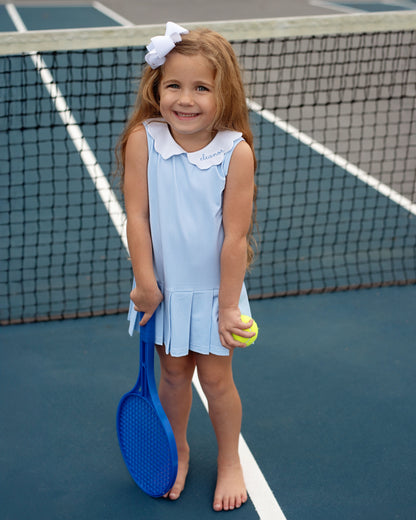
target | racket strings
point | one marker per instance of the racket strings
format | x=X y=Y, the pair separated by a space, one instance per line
x=145 y=446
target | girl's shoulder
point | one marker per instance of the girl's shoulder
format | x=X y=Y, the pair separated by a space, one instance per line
x=242 y=160
x=136 y=145
x=242 y=152
x=138 y=132
x=148 y=126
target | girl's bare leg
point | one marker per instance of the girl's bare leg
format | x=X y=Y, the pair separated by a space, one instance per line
x=175 y=392
x=215 y=375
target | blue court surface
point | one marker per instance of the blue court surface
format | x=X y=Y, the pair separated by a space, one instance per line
x=328 y=394
x=368 y=7
x=328 y=390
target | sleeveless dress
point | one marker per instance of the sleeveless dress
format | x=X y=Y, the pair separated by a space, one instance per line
x=185 y=206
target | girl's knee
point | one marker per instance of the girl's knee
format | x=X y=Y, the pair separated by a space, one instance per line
x=215 y=383
x=176 y=371
x=175 y=377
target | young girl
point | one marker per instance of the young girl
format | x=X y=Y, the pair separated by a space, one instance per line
x=188 y=181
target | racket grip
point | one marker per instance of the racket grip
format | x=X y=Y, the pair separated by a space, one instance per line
x=147 y=332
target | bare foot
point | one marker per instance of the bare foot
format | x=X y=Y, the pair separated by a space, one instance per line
x=183 y=465
x=230 y=492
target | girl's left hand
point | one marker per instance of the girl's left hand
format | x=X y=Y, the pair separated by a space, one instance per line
x=229 y=323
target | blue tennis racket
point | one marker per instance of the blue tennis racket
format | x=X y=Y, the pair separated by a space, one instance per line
x=145 y=436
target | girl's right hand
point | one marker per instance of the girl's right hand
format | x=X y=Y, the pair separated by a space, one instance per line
x=146 y=300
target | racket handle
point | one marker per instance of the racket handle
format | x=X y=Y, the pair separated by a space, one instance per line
x=147 y=332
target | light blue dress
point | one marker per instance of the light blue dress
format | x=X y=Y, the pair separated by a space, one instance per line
x=185 y=205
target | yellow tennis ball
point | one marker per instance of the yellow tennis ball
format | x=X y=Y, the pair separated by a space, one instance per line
x=253 y=328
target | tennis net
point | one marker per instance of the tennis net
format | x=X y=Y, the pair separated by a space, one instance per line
x=332 y=102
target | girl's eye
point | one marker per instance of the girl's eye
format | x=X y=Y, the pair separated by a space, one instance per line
x=201 y=88
x=173 y=85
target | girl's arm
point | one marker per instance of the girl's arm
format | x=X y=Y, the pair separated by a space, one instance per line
x=146 y=296
x=237 y=211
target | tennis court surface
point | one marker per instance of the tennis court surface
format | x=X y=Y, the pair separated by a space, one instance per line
x=329 y=389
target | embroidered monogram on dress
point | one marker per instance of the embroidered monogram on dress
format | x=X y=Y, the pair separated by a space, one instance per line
x=207 y=157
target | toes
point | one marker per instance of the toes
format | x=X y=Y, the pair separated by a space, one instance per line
x=241 y=500
x=229 y=503
x=174 y=495
x=218 y=503
x=175 y=492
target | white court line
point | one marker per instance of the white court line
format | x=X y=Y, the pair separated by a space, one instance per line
x=382 y=188
x=259 y=491
x=334 y=6
x=87 y=156
x=112 y=14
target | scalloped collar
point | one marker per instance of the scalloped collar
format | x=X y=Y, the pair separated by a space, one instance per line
x=210 y=155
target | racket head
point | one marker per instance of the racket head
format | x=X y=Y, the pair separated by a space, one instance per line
x=147 y=444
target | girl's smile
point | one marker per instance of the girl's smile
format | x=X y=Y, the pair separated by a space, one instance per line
x=187 y=99
x=186 y=115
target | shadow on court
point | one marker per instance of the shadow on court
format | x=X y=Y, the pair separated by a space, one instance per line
x=328 y=394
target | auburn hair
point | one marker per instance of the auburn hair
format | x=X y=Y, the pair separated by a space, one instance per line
x=231 y=106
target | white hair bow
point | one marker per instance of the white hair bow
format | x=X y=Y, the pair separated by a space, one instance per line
x=160 y=46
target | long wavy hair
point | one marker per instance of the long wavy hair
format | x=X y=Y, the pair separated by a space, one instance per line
x=231 y=106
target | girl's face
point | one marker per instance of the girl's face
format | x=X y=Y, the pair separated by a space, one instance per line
x=187 y=99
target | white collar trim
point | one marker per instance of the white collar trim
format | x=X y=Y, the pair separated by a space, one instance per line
x=211 y=155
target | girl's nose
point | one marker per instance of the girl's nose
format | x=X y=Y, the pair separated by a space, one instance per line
x=186 y=98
